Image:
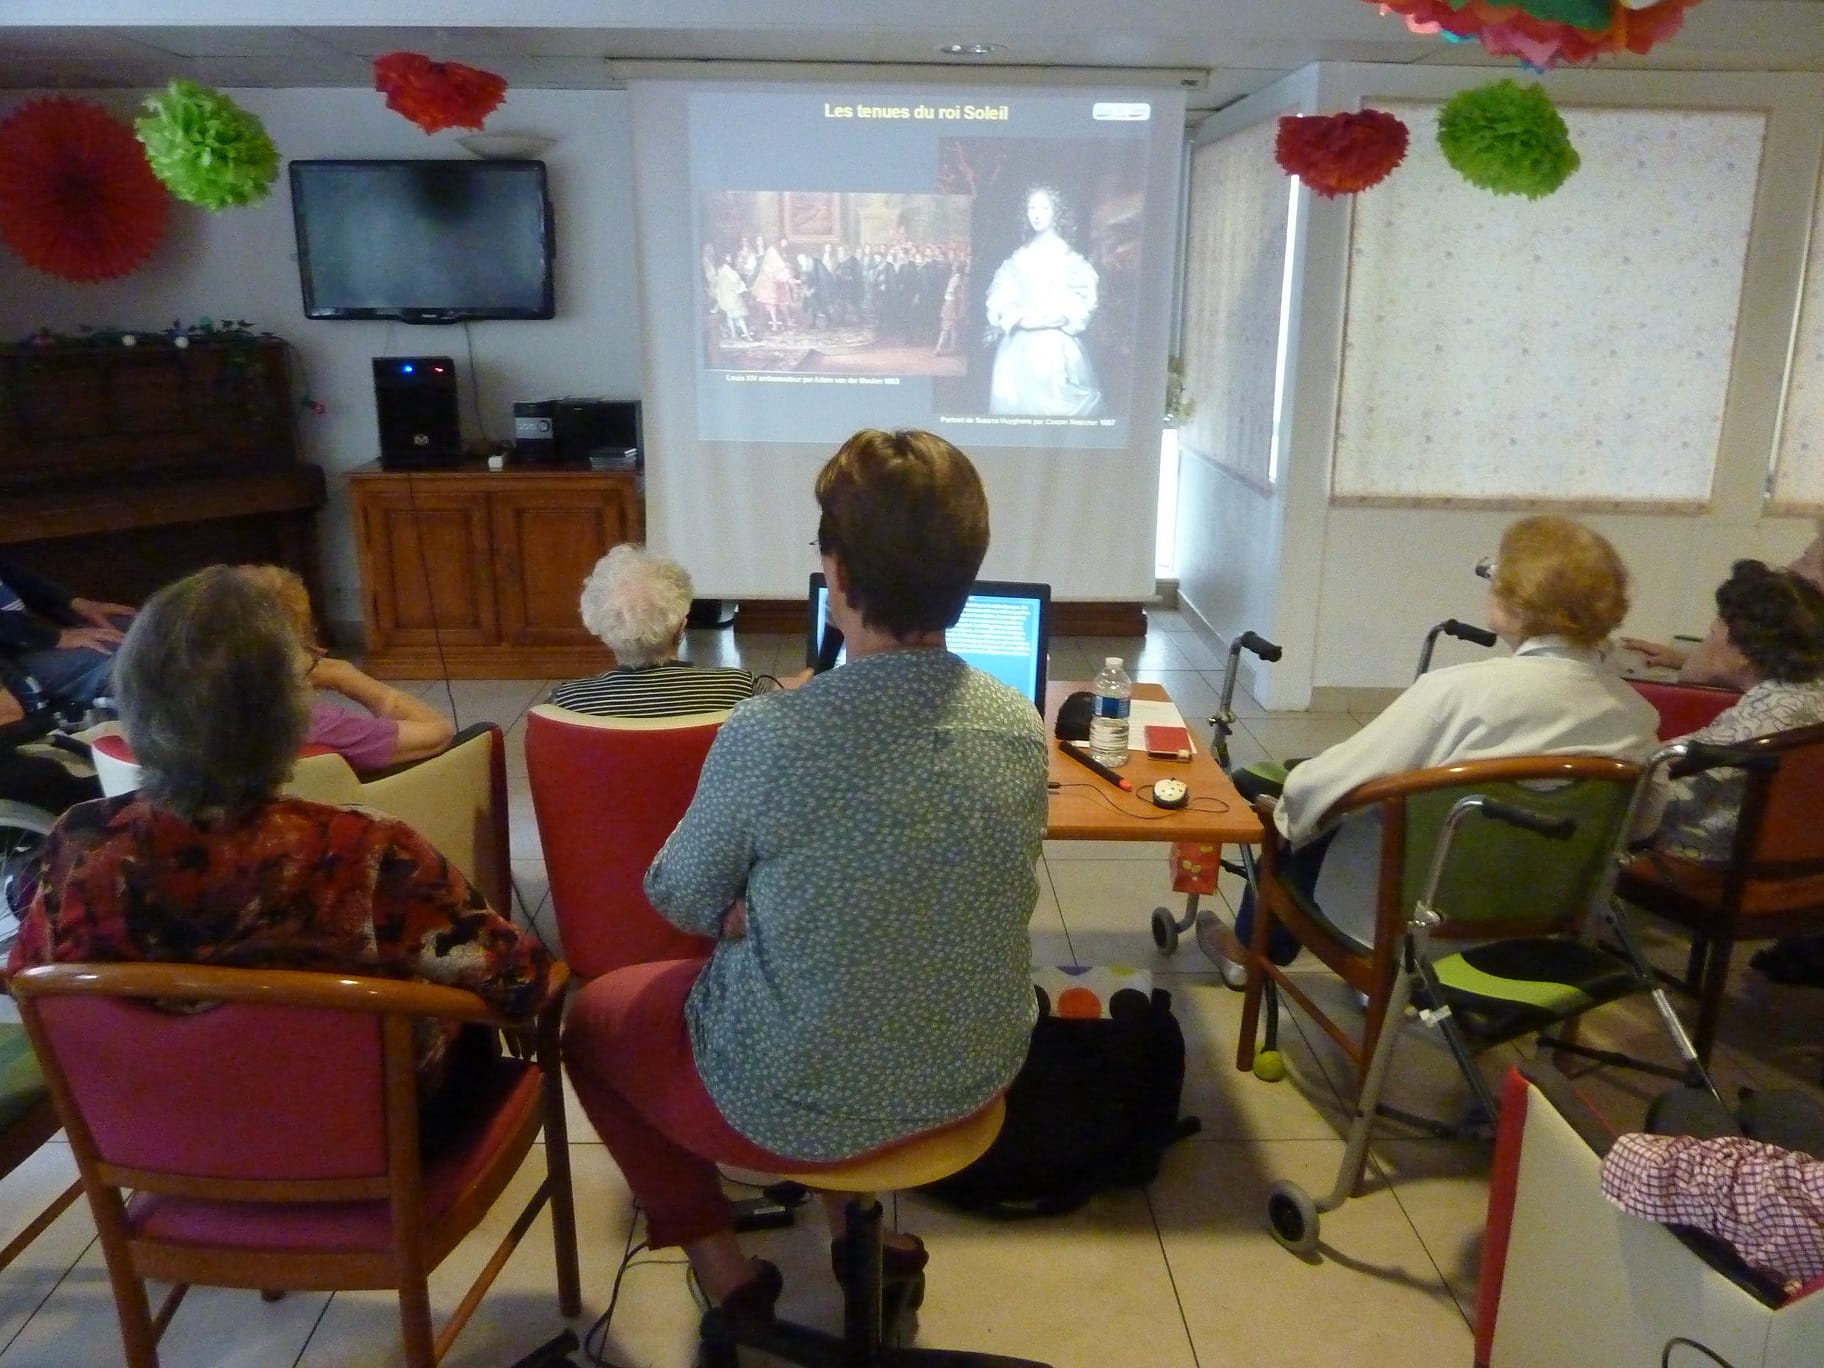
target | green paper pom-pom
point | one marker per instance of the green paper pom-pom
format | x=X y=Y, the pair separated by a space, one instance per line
x=206 y=148
x=1508 y=139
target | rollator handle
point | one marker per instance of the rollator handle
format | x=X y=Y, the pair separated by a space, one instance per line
x=1260 y=646
x=1467 y=631
x=1701 y=755
x=1556 y=828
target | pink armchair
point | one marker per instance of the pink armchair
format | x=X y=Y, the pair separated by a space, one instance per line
x=272 y=1141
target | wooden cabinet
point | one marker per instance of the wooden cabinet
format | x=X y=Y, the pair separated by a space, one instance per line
x=475 y=573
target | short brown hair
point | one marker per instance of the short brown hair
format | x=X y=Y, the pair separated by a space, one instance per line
x=906 y=516
x=1776 y=619
x=1561 y=579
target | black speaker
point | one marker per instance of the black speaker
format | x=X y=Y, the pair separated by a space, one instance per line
x=598 y=431
x=415 y=397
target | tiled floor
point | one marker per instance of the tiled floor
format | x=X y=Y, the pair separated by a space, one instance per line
x=1180 y=1274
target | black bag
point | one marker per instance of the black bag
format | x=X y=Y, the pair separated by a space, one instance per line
x=1092 y=1108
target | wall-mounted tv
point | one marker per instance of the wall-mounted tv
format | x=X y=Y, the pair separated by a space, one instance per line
x=423 y=241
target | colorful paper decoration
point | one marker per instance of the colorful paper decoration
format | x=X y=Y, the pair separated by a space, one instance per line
x=1339 y=154
x=77 y=200
x=1507 y=138
x=437 y=95
x=1542 y=33
x=207 y=149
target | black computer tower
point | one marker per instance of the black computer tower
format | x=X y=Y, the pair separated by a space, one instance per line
x=415 y=398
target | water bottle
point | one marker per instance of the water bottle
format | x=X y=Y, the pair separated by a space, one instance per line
x=1114 y=693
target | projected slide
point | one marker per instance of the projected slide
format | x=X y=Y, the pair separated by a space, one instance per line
x=920 y=258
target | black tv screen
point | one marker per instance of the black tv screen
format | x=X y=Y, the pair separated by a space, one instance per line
x=423 y=241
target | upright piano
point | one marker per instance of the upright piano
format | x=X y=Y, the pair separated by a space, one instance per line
x=125 y=466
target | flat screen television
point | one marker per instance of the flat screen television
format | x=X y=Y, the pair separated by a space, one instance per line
x=423 y=241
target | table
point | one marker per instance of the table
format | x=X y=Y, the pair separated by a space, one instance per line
x=1089 y=808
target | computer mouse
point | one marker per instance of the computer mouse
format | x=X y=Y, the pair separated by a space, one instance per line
x=1170 y=793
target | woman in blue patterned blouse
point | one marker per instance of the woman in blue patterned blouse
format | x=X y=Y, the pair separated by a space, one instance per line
x=863 y=849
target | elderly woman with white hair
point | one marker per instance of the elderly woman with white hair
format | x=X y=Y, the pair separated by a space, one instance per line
x=637 y=601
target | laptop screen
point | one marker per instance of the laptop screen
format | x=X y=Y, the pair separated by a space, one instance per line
x=1005 y=631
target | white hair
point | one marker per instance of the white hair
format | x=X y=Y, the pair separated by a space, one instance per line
x=635 y=600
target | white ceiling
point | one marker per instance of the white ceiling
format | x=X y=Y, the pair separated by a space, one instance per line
x=1218 y=50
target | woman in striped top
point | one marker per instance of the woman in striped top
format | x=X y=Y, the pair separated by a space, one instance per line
x=636 y=601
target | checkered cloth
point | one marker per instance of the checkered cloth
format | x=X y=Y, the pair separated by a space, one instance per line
x=1766 y=1203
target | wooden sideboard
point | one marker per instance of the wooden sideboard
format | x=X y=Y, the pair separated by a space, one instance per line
x=475 y=573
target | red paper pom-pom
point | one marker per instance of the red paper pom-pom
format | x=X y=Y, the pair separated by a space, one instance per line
x=1339 y=154
x=437 y=95
x=77 y=199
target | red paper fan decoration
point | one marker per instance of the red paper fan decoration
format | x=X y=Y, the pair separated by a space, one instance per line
x=77 y=199
x=1339 y=154
x=437 y=95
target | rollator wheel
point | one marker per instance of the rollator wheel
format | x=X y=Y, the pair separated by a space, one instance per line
x=1292 y=1216
x=1165 y=930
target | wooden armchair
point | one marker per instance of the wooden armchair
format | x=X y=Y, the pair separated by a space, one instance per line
x=1773 y=884
x=1501 y=882
x=269 y=1135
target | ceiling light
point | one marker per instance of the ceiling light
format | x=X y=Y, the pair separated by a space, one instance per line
x=972 y=49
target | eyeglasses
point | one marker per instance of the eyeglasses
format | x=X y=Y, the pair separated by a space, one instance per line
x=1486 y=568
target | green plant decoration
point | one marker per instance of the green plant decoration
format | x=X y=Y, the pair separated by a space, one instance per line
x=1508 y=139
x=205 y=148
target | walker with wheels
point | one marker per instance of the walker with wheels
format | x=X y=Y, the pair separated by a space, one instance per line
x=1195 y=866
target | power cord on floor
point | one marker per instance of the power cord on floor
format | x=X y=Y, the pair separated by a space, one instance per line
x=595 y=1338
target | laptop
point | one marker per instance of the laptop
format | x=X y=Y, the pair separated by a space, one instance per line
x=1005 y=631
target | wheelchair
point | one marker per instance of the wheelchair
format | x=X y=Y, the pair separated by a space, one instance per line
x=35 y=789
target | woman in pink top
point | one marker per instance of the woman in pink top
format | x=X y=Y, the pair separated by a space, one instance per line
x=392 y=728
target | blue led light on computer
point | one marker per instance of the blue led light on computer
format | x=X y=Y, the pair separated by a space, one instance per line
x=406 y=369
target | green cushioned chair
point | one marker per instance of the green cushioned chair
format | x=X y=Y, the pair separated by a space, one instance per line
x=1517 y=905
x=1512 y=860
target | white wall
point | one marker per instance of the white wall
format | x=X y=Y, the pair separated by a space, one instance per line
x=241 y=263
x=1350 y=591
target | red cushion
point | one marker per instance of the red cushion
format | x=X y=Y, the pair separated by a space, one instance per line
x=1683 y=708
x=503 y=1101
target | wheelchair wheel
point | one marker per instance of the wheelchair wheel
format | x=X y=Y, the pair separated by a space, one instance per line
x=1165 y=930
x=1292 y=1216
x=22 y=831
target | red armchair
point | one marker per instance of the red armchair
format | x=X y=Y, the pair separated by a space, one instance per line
x=606 y=792
x=272 y=1141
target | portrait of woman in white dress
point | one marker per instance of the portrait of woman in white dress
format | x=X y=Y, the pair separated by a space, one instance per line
x=1038 y=304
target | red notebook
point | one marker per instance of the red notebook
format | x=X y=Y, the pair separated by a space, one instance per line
x=1168 y=743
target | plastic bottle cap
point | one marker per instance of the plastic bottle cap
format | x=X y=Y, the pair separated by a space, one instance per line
x=1111 y=660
